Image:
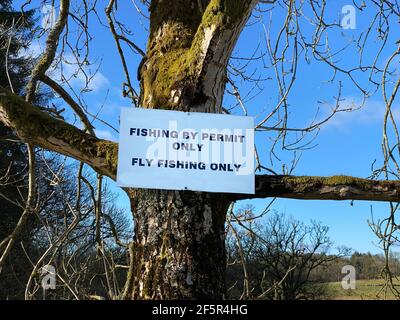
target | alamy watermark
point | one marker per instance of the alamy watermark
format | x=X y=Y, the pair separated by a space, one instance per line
x=48 y=273
x=206 y=148
x=348 y=17
x=49 y=16
x=349 y=280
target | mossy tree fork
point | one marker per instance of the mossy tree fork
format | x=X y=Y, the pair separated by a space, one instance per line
x=178 y=249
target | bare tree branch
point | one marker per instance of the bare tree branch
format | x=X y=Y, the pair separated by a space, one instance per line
x=51 y=48
x=324 y=188
x=67 y=98
x=38 y=127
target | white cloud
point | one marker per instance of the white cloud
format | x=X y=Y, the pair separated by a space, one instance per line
x=371 y=113
x=105 y=134
x=34 y=50
x=77 y=78
x=49 y=16
x=98 y=81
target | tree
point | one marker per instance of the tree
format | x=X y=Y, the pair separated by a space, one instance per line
x=178 y=249
x=292 y=251
x=280 y=257
x=80 y=232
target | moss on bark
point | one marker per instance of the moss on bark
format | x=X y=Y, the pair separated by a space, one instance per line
x=177 y=48
x=37 y=126
x=302 y=183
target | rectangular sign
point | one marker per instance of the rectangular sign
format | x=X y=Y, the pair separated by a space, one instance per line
x=173 y=150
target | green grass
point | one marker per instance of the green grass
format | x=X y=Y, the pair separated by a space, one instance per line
x=365 y=290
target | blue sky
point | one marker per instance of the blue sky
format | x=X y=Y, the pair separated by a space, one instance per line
x=347 y=145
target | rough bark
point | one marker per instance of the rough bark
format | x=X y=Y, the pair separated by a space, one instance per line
x=324 y=188
x=188 y=49
x=179 y=248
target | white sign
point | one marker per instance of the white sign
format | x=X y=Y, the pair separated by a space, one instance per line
x=173 y=150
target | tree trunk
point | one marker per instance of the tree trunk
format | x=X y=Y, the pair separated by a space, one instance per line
x=179 y=250
x=179 y=245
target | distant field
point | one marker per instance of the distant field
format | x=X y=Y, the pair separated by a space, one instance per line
x=365 y=290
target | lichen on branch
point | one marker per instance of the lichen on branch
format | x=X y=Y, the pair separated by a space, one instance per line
x=181 y=37
x=325 y=188
x=33 y=125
